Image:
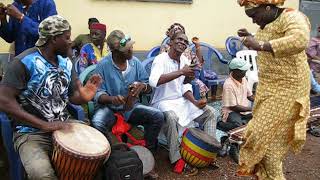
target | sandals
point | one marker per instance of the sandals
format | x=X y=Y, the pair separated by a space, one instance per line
x=315 y=131
x=190 y=171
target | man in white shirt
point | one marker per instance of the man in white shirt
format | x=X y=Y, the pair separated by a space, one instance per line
x=173 y=96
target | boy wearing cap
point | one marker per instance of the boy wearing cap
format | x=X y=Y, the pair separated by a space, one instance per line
x=35 y=93
x=93 y=52
x=122 y=75
x=236 y=109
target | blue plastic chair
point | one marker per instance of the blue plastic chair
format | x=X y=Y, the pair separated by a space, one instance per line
x=233 y=45
x=147 y=64
x=153 y=52
x=210 y=54
x=165 y=41
x=15 y=166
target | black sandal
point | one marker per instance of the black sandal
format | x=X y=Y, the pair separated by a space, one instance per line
x=315 y=131
x=190 y=171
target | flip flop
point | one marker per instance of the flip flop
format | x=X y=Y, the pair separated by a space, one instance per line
x=315 y=131
x=214 y=165
x=190 y=171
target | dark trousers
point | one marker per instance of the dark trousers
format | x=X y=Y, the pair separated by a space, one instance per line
x=234 y=120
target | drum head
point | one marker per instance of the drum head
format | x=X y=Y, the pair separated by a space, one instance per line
x=82 y=140
x=146 y=157
x=204 y=137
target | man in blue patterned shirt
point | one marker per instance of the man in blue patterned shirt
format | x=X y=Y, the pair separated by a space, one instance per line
x=35 y=93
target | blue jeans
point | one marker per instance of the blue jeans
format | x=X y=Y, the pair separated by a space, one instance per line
x=314 y=84
x=151 y=119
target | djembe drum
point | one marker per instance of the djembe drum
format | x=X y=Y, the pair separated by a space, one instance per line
x=236 y=135
x=78 y=152
x=198 y=148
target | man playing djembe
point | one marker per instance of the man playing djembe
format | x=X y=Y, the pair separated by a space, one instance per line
x=35 y=91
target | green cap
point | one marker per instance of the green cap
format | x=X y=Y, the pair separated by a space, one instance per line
x=237 y=63
x=117 y=40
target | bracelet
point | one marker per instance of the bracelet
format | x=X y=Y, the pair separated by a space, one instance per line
x=146 y=88
x=243 y=39
x=261 y=44
x=21 y=18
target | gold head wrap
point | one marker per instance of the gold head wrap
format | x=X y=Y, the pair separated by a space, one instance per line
x=248 y=4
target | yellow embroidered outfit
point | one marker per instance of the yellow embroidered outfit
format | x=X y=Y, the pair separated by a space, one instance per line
x=282 y=102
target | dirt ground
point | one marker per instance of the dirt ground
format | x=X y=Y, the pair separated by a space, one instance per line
x=304 y=166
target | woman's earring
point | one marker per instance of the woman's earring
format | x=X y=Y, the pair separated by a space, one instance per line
x=268 y=8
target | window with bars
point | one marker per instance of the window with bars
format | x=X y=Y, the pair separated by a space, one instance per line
x=311 y=8
x=165 y=1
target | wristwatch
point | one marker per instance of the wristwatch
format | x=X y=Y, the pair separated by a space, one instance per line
x=21 y=18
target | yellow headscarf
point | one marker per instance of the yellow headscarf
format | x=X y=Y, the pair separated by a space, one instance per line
x=248 y=4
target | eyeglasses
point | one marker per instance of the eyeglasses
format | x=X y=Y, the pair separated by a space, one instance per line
x=124 y=41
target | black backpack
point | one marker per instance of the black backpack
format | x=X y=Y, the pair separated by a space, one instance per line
x=123 y=164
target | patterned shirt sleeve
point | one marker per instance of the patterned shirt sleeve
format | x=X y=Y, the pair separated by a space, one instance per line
x=312 y=48
x=297 y=31
x=84 y=57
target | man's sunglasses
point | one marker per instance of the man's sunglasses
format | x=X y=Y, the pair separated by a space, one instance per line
x=124 y=41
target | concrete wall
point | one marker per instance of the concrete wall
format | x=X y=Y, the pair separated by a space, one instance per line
x=210 y=20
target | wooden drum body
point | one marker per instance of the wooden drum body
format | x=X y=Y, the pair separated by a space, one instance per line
x=78 y=152
x=197 y=148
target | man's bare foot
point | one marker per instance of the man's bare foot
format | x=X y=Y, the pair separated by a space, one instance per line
x=152 y=175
